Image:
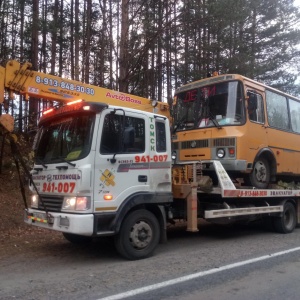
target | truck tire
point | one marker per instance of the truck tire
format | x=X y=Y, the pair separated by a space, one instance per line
x=261 y=174
x=77 y=239
x=138 y=236
x=287 y=222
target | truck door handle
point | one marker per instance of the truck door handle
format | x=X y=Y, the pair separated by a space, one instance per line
x=143 y=178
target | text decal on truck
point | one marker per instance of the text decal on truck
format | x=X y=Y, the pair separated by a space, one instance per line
x=147 y=158
x=66 y=187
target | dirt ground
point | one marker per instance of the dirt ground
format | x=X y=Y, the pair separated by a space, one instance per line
x=15 y=235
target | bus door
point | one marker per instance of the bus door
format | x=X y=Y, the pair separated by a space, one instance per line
x=256 y=129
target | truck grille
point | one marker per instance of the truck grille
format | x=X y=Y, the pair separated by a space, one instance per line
x=52 y=203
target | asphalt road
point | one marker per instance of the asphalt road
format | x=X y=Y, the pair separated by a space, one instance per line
x=266 y=277
x=190 y=266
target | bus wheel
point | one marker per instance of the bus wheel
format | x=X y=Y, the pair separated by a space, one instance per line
x=138 y=236
x=261 y=174
x=286 y=223
x=77 y=239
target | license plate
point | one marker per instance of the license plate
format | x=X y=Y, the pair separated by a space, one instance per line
x=38 y=217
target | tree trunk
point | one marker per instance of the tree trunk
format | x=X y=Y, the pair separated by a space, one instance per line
x=87 y=41
x=33 y=102
x=123 y=63
x=76 y=53
x=22 y=11
x=61 y=35
x=54 y=37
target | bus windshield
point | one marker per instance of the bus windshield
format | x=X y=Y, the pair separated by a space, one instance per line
x=217 y=105
x=64 y=139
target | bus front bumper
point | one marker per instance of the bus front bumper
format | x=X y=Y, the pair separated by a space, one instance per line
x=228 y=164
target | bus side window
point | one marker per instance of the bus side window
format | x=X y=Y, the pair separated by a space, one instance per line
x=255 y=108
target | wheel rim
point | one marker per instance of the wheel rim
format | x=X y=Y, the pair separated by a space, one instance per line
x=141 y=235
x=260 y=171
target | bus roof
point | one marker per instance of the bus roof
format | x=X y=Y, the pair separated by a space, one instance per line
x=228 y=77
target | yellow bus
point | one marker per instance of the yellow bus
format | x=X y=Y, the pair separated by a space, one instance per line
x=252 y=129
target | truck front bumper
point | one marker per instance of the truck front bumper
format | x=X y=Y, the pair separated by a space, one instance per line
x=81 y=224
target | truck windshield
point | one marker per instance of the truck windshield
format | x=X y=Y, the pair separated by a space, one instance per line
x=64 y=139
x=218 y=105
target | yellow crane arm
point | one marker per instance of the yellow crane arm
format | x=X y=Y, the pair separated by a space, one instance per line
x=20 y=79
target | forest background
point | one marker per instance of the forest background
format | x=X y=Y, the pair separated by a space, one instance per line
x=150 y=47
x=144 y=47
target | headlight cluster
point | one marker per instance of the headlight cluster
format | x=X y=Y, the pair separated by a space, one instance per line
x=76 y=203
x=34 y=201
x=174 y=155
x=221 y=152
x=69 y=203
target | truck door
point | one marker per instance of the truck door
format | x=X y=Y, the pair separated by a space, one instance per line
x=160 y=155
x=118 y=173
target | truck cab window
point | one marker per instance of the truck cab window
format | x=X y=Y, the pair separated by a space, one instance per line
x=161 y=142
x=122 y=134
x=65 y=139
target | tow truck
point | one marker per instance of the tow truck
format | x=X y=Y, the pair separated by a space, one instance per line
x=105 y=167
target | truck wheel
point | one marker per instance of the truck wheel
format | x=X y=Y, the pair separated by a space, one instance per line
x=77 y=239
x=287 y=222
x=261 y=174
x=138 y=236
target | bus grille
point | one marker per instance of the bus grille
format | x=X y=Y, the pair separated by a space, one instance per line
x=194 y=144
x=52 y=203
x=223 y=142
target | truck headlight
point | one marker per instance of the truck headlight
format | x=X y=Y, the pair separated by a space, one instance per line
x=34 y=201
x=76 y=203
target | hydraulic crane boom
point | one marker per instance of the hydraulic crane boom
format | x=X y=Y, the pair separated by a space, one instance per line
x=21 y=79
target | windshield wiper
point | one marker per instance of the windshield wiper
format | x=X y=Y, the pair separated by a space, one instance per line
x=213 y=119
x=68 y=162
x=40 y=162
x=179 y=123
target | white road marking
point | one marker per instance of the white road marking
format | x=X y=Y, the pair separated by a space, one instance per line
x=195 y=275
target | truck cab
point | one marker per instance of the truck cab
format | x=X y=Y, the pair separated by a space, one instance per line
x=95 y=165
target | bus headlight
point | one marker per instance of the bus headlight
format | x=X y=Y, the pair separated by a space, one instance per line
x=174 y=155
x=34 y=201
x=76 y=203
x=220 y=153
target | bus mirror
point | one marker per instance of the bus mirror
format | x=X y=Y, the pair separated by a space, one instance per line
x=252 y=102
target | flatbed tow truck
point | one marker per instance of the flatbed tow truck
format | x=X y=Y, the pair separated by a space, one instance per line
x=229 y=203
x=103 y=169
